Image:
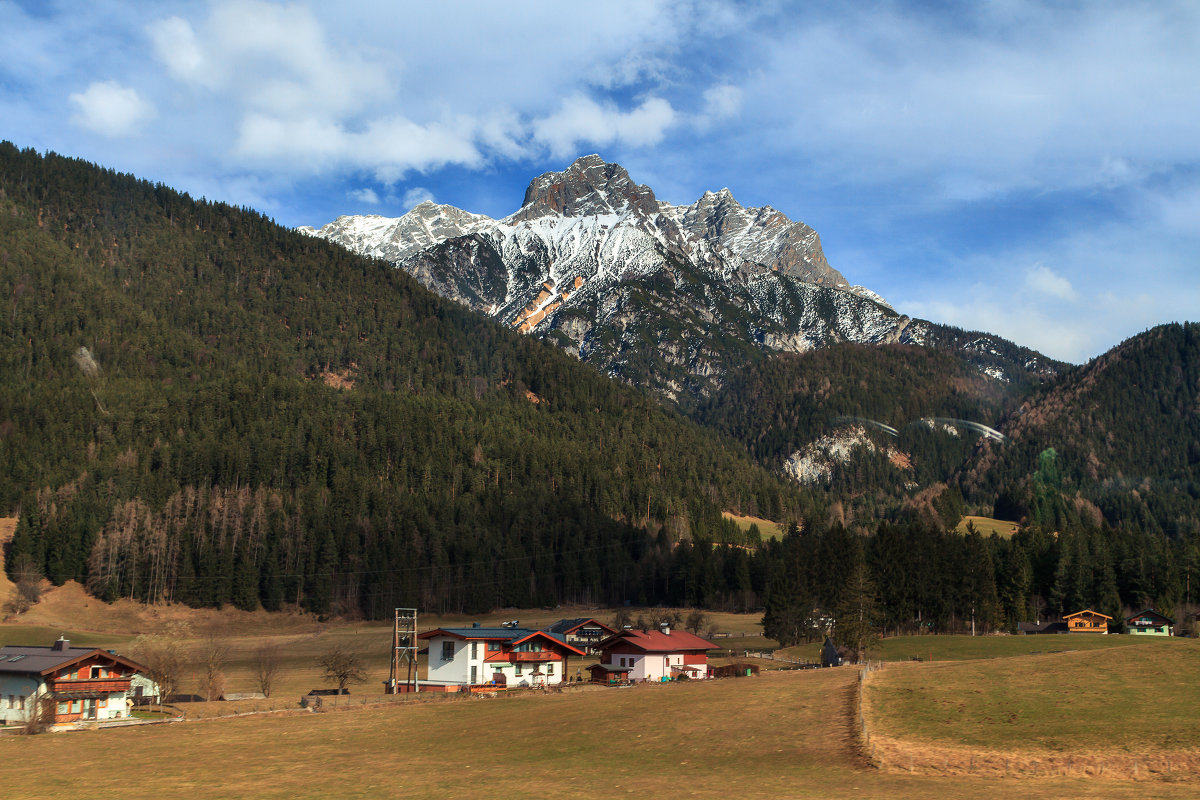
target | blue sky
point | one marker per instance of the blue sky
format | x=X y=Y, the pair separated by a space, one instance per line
x=1028 y=169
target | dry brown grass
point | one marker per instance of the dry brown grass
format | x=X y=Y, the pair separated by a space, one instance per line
x=784 y=735
x=7 y=526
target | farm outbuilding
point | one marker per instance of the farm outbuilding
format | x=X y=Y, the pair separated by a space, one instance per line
x=608 y=674
x=739 y=670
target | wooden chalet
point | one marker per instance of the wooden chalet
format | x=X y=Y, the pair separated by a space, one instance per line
x=583 y=632
x=1087 y=621
x=1149 y=623
x=660 y=655
x=67 y=684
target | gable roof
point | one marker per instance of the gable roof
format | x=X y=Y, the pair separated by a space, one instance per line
x=569 y=626
x=511 y=635
x=1086 y=611
x=658 y=642
x=1150 y=612
x=44 y=660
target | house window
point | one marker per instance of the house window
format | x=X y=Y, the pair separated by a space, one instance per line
x=104 y=703
x=493 y=647
x=474 y=674
x=447 y=651
x=517 y=669
x=474 y=652
x=549 y=669
x=76 y=706
x=64 y=708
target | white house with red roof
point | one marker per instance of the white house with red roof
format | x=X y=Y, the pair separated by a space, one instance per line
x=657 y=655
x=502 y=656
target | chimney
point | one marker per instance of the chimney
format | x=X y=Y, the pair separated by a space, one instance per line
x=61 y=644
x=665 y=627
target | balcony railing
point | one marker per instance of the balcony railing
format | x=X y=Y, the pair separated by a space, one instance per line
x=91 y=685
x=543 y=655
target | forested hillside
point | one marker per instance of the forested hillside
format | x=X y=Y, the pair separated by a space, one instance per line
x=783 y=405
x=197 y=404
x=1116 y=440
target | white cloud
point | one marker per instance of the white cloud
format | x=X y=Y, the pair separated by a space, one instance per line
x=722 y=101
x=580 y=120
x=176 y=46
x=365 y=195
x=110 y=109
x=1043 y=280
x=415 y=196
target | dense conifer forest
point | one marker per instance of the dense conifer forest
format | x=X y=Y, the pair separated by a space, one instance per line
x=198 y=405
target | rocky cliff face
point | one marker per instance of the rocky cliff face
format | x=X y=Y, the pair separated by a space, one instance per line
x=667 y=297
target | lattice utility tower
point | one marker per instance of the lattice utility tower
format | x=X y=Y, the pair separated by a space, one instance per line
x=404 y=652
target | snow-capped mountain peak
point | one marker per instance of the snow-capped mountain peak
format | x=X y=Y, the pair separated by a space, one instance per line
x=598 y=259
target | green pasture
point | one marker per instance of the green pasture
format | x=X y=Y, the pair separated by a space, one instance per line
x=1138 y=698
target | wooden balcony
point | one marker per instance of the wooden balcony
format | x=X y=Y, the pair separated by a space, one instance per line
x=96 y=686
x=524 y=657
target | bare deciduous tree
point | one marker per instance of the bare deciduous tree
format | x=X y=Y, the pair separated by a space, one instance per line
x=697 y=621
x=266 y=667
x=163 y=656
x=27 y=589
x=341 y=666
x=214 y=653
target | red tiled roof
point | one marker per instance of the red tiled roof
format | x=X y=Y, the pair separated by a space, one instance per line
x=659 y=642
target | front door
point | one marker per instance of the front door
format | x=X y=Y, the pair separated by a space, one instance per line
x=89 y=709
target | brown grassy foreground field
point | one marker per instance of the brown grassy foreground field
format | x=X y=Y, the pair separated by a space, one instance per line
x=780 y=735
x=1125 y=712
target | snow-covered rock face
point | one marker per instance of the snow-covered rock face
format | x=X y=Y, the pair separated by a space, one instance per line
x=665 y=296
x=817 y=461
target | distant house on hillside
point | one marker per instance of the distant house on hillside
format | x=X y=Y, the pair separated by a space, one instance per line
x=1030 y=628
x=1150 y=623
x=69 y=683
x=657 y=655
x=1087 y=621
x=583 y=632
x=503 y=656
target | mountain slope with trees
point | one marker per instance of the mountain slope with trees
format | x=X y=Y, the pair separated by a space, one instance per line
x=199 y=405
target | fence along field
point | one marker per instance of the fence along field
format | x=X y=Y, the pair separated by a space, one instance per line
x=1126 y=713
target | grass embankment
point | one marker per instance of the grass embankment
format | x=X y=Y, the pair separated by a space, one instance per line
x=1121 y=711
x=783 y=735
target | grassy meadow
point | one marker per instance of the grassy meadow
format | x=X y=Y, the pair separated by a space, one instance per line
x=768 y=529
x=1122 y=698
x=779 y=735
x=986 y=526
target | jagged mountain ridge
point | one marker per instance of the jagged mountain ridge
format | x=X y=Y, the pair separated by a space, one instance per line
x=665 y=297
